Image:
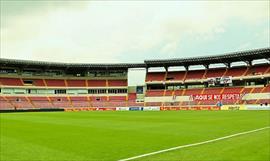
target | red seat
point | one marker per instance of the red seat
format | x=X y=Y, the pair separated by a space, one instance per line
x=96 y=83
x=236 y=72
x=20 y=102
x=113 y=83
x=4 y=105
x=196 y=74
x=38 y=82
x=175 y=76
x=11 y=82
x=258 y=70
x=76 y=83
x=155 y=76
x=132 y=96
x=212 y=90
x=153 y=93
x=117 y=98
x=215 y=72
x=80 y=98
x=168 y=93
x=232 y=90
x=257 y=90
x=193 y=91
x=55 y=82
x=98 y=98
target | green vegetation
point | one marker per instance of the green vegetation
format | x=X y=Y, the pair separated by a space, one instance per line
x=111 y=135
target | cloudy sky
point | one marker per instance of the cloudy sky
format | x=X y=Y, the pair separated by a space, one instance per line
x=118 y=31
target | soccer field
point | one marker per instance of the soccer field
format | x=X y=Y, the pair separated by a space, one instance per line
x=112 y=135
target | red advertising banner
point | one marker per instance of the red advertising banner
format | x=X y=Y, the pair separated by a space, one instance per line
x=106 y=109
x=210 y=97
x=189 y=108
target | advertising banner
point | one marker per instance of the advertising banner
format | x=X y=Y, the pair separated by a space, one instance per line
x=190 y=108
x=211 y=81
x=226 y=80
x=81 y=109
x=217 y=97
x=122 y=108
x=257 y=107
x=233 y=107
x=151 y=108
x=169 y=108
x=219 y=80
x=135 y=108
x=105 y=109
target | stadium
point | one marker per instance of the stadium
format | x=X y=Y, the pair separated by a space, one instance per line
x=34 y=85
x=72 y=111
x=87 y=80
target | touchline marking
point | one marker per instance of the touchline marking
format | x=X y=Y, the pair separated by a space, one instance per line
x=194 y=144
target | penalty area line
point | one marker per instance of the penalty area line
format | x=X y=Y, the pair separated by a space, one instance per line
x=194 y=144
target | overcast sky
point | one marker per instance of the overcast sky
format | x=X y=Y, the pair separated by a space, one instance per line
x=118 y=31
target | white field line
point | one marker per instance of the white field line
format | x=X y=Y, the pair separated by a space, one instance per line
x=194 y=144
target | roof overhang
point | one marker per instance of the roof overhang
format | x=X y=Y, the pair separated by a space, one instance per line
x=67 y=66
x=246 y=56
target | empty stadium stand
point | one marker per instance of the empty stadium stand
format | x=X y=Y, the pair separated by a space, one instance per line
x=64 y=85
x=155 y=76
x=112 y=83
x=11 y=81
x=76 y=83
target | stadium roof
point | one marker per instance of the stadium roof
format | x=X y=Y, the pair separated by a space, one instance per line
x=227 y=58
x=56 y=65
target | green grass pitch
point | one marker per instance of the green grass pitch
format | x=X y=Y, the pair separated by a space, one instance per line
x=112 y=135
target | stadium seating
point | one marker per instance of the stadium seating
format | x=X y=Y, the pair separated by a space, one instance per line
x=193 y=91
x=168 y=93
x=117 y=98
x=115 y=104
x=20 y=102
x=232 y=90
x=247 y=90
x=5 y=105
x=61 y=82
x=215 y=72
x=236 y=72
x=80 y=102
x=175 y=76
x=153 y=93
x=43 y=104
x=153 y=104
x=179 y=92
x=100 y=88
x=11 y=82
x=155 y=76
x=99 y=104
x=38 y=82
x=257 y=90
x=201 y=74
x=60 y=102
x=132 y=103
x=112 y=83
x=196 y=74
x=76 y=83
x=258 y=70
x=96 y=83
x=55 y=82
x=98 y=98
x=132 y=96
x=118 y=101
x=213 y=90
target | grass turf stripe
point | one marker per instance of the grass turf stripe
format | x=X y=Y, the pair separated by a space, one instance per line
x=194 y=144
